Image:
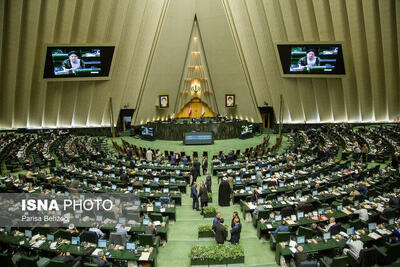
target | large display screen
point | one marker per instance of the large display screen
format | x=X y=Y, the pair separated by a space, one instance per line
x=246 y=129
x=78 y=61
x=147 y=131
x=306 y=59
x=198 y=138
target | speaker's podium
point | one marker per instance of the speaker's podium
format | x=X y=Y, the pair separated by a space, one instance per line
x=198 y=138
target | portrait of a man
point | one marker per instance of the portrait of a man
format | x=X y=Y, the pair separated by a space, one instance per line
x=229 y=100
x=164 y=101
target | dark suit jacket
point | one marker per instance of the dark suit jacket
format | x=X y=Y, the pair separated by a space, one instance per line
x=203 y=194
x=100 y=262
x=220 y=233
x=193 y=192
x=205 y=164
x=235 y=233
x=299 y=257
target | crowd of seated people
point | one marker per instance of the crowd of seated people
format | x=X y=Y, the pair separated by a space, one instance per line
x=307 y=191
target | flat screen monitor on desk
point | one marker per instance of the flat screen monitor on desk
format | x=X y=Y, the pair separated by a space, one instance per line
x=165 y=190
x=102 y=243
x=146 y=221
x=50 y=237
x=350 y=231
x=75 y=241
x=278 y=217
x=130 y=246
x=300 y=240
x=300 y=215
x=371 y=227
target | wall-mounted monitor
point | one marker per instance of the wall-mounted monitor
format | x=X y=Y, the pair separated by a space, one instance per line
x=78 y=62
x=310 y=60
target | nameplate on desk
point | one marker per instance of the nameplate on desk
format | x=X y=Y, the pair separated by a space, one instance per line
x=162 y=210
x=149 y=208
x=269 y=226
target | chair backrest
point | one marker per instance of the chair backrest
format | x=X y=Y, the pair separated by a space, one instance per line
x=6 y=259
x=156 y=217
x=368 y=257
x=306 y=232
x=393 y=250
x=357 y=224
x=335 y=229
x=117 y=238
x=57 y=263
x=90 y=237
x=340 y=261
x=28 y=261
x=146 y=239
x=88 y=264
x=263 y=214
x=64 y=234
x=283 y=237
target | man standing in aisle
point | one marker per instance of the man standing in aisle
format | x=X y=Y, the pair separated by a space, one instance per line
x=204 y=164
x=194 y=195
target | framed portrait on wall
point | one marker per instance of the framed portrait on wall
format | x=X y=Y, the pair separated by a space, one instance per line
x=163 y=101
x=229 y=100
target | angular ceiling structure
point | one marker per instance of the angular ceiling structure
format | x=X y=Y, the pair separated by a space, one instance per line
x=238 y=37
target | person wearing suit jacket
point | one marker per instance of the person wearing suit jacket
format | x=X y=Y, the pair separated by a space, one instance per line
x=196 y=169
x=235 y=231
x=220 y=232
x=194 y=196
x=208 y=182
x=203 y=195
x=204 y=164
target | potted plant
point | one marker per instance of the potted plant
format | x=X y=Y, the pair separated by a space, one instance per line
x=209 y=212
x=205 y=230
x=198 y=255
x=217 y=254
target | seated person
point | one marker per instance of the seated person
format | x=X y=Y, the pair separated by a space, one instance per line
x=101 y=260
x=362 y=213
x=281 y=228
x=121 y=229
x=309 y=60
x=355 y=246
x=66 y=258
x=301 y=258
x=73 y=62
x=72 y=230
x=95 y=229
x=328 y=226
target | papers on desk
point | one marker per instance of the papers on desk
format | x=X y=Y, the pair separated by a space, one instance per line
x=269 y=206
x=346 y=211
x=38 y=243
x=144 y=256
x=293 y=250
x=292 y=244
x=35 y=237
x=290 y=222
x=156 y=223
x=149 y=208
x=162 y=210
x=374 y=236
x=269 y=226
x=53 y=245
x=383 y=231
x=380 y=208
x=107 y=221
x=251 y=206
x=96 y=252
x=344 y=234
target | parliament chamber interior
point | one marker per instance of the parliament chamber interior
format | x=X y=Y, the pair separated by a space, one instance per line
x=174 y=133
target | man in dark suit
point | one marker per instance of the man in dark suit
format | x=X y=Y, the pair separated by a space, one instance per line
x=196 y=169
x=67 y=258
x=220 y=232
x=204 y=164
x=395 y=161
x=235 y=231
x=194 y=195
x=124 y=177
x=208 y=182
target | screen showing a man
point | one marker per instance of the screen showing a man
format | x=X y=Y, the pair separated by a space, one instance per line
x=78 y=61
x=73 y=62
x=310 y=60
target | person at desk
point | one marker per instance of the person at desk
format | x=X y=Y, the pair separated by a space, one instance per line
x=355 y=246
x=31 y=176
x=67 y=258
x=301 y=258
x=73 y=62
x=328 y=226
x=362 y=213
x=220 y=232
x=72 y=230
x=149 y=155
x=396 y=232
x=255 y=196
x=185 y=160
x=309 y=60
x=121 y=229
x=101 y=260
x=95 y=229
x=124 y=177
x=395 y=161
x=280 y=228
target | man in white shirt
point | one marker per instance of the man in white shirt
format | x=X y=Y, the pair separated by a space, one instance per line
x=96 y=230
x=355 y=246
x=363 y=213
x=149 y=155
